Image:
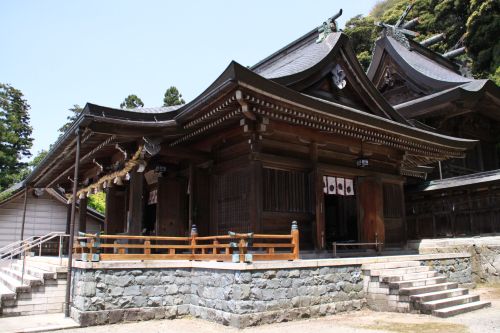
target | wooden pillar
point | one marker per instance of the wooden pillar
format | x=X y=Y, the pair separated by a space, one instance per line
x=318 y=200
x=136 y=204
x=371 y=209
x=116 y=212
x=68 y=218
x=82 y=215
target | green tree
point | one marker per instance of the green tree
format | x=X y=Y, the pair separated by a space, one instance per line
x=131 y=102
x=30 y=166
x=15 y=134
x=362 y=32
x=97 y=202
x=474 y=23
x=172 y=97
x=481 y=39
x=74 y=113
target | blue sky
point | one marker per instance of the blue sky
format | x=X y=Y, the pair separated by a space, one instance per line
x=60 y=53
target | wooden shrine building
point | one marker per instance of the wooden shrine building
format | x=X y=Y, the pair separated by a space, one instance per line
x=433 y=91
x=303 y=135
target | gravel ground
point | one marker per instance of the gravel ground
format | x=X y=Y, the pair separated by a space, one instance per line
x=364 y=321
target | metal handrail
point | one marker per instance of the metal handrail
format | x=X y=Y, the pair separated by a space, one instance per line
x=23 y=246
x=7 y=248
x=19 y=247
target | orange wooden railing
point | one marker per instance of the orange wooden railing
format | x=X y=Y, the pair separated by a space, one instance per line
x=235 y=247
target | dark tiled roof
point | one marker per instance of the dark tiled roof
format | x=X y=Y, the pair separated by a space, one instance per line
x=425 y=65
x=159 y=109
x=297 y=57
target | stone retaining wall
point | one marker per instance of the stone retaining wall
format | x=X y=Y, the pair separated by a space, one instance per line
x=484 y=252
x=455 y=269
x=238 y=295
x=235 y=298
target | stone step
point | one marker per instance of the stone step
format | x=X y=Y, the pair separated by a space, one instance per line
x=459 y=309
x=13 y=284
x=396 y=271
x=407 y=277
x=441 y=294
x=408 y=291
x=6 y=294
x=390 y=264
x=428 y=307
x=417 y=282
x=55 y=261
x=30 y=280
x=36 y=272
x=45 y=266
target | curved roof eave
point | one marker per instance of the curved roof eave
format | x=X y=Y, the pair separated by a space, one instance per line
x=246 y=78
x=321 y=62
x=474 y=89
x=417 y=66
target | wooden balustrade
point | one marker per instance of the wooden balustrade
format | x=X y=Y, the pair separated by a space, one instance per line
x=235 y=247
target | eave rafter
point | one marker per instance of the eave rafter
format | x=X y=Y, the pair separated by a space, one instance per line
x=419 y=152
x=69 y=150
x=329 y=123
x=88 y=156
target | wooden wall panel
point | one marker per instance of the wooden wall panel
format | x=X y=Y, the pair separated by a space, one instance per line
x=136 y=203
x=230 y=201
x=280 y=223
x=370 y=205
x=172 y=207
x=116 y=210
x=201 y=209
x=394 y=214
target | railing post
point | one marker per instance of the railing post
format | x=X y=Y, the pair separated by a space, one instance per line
x=194 y=234
x=215 y=249
x=295 y=240
x=147 y=247
x=241 y=249
x=24 y=264
x=60 y=249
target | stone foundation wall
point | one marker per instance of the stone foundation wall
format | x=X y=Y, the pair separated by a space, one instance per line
x=484 y=252
x=455 y=269
x=230 y=297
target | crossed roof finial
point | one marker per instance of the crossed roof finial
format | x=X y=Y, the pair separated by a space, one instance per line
x=328 y=27
x=400 y=30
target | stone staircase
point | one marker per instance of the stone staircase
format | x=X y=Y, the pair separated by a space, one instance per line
x=407 y=286
x=43 y=290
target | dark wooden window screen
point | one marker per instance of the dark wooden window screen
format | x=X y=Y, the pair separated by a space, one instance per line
x=392 y=201
x=285 y=191
x=231 y=193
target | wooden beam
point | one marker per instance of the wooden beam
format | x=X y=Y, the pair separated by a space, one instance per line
x=185 y=153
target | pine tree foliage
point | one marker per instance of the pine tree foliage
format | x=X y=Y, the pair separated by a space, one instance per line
x=172 y=97
x=15 y=134
x=74 y=113
x=131 y=102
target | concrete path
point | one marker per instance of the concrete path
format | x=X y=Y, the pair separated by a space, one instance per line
x=36 y=323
